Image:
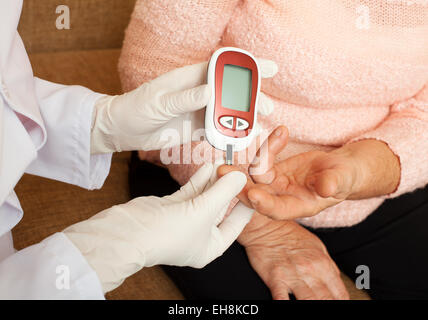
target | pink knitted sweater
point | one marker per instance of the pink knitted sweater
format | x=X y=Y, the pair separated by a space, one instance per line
x=348 y=70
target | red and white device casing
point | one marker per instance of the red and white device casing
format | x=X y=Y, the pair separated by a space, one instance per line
x=244 y=128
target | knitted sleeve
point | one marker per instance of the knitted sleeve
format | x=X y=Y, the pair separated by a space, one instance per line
x=164 y=35
x=405 y=131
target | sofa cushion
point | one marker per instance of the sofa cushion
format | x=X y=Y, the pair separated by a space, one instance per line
x=94 y=24
x=95 y=69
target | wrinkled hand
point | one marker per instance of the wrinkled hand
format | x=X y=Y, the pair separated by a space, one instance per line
x=290 y=259
x=300 y=186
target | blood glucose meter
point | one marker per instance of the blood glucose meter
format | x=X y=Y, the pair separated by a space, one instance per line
x=231 y=115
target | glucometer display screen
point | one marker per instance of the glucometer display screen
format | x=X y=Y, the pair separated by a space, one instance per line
x=236 y=88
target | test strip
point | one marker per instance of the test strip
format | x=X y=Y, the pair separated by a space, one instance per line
x=229 y=154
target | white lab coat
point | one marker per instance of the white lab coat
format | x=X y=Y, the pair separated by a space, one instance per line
x=44 y=130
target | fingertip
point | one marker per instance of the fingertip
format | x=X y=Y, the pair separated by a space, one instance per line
x=281 y=297
x=186 y=100
x=274 y=68
x=203 y=94
x=239 y=177
x=281 y=132
x=259 y=199
x=198 y=180
x=253 y=196
x=269 y=107
x=225 y=169
x=265 y=105
x=276 y=141
x=236 y=180
x=197 y=98
x=268 y=68
x=264 y=203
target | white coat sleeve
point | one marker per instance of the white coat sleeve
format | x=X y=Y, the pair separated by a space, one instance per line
x=51 y=269
x=66 y=156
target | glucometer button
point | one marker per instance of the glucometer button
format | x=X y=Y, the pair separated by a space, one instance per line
x=227 y=122
x=241 y=124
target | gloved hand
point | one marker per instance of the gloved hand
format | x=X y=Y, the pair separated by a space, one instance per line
x=184 y=229
x=137 y=119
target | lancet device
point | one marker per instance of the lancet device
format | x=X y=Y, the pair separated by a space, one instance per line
x=231 y=115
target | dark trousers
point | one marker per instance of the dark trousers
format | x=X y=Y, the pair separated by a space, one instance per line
x=392 y=242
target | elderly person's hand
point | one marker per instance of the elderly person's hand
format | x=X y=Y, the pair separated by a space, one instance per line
x=290 y=259
x=307 y=183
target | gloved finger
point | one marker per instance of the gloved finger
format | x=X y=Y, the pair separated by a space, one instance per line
x=205 y=177
x=183 y=78
x=268 y=68
x=242 y=196
x=214 y=176
x=194 y=75
x=173 y=132
x=220 y=194
x=196 y=185
x=232 y=226
x=265 y=105
x=188 y=100
x=211 y=181
x=221 y=215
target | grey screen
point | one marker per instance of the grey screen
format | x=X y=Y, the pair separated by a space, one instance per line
x=236 y=89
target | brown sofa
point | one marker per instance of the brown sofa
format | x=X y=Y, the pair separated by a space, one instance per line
x=87 y=54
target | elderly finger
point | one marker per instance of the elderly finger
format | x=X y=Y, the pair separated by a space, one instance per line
x=321 y=290
x=262 y=168
x=283 y=207
x=301 y=290
x=280 y=290
x=336 y=284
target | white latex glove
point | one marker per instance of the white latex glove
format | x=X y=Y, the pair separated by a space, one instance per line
x=183 y=229
x=137 y=119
